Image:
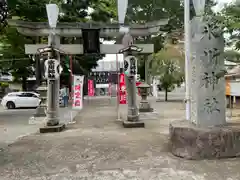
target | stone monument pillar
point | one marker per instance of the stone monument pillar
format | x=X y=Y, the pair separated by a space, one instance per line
x=208 y=135
x=208 y=83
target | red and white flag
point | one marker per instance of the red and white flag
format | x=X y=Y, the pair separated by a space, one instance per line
x=77 y=92
x=122 y=90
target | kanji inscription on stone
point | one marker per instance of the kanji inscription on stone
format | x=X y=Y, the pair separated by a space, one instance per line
x=209 y=79
x=208 y=86
x=211 y=29
x=211 y=105
x=212 y=56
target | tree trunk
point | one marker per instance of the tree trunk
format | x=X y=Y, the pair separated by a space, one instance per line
x=24 y=83
x=166 y=94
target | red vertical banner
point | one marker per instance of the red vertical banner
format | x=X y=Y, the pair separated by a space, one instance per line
x=90 y=88
x=122 y=90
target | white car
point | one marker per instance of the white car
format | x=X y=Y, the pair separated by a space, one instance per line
x=21 y=100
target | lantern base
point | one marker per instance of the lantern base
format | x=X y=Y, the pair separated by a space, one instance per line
x=144 y=106
x=40 y=111
x=52 y=129
x=133 y=124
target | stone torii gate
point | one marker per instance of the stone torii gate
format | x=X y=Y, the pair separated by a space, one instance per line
x=75 y=30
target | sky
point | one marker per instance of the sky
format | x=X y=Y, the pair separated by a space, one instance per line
x=221 y=3
x=112 y=57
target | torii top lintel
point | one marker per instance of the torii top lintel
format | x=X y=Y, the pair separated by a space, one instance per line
x=73 y=29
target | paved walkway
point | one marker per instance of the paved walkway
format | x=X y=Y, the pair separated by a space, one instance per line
x=98 y=148
x=17 y=127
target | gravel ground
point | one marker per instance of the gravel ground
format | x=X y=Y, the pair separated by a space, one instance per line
x=99 y=148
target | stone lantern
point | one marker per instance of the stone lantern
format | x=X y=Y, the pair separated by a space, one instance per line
x=41 y=110
x=144 y=105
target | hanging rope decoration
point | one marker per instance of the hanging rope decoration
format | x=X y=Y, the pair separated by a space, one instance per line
x=3 y=13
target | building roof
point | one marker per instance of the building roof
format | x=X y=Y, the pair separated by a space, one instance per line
x=233 y=73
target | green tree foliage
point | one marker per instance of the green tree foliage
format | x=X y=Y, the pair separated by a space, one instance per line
x=87 y=11
x=142 y=11
x=96 y=10
x=104 y=10
x=12 y=42
x=231 y=16
x=12 y=50
x=232 y=55
x=169 y=75
x=167 y=65
x=28 y=10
